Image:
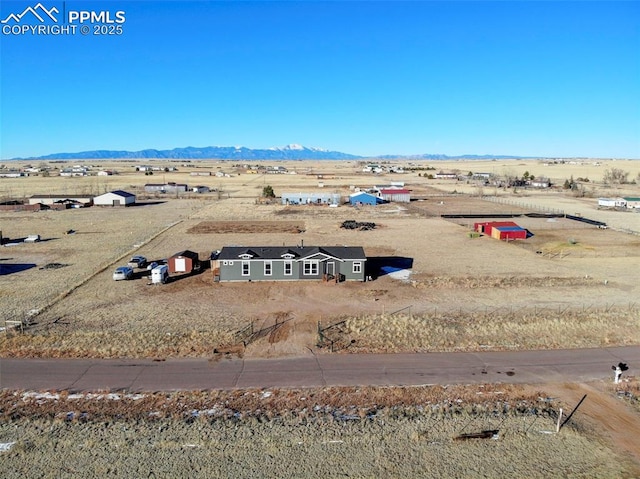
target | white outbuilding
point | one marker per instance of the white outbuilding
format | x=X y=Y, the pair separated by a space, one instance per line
x=115 y=198
x=612 y=202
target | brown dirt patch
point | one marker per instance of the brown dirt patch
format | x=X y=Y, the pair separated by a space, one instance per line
x=280 y=333
x=221 y=227
x=610 y=418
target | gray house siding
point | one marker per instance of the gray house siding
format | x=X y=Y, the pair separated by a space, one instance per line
x=233 y=270
x=290 y=263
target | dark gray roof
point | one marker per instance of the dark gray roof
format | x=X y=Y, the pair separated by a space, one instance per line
x=186 y=253
x=300 y=252
x=124 y=194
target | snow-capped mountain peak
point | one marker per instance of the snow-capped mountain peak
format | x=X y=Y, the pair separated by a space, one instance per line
x=294 y=146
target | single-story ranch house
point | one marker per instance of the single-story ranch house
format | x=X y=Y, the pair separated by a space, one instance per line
x=290 y=263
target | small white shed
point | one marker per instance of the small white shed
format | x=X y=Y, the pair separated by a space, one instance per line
x=115 y=198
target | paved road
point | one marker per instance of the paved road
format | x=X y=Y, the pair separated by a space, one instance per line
x=321 y=370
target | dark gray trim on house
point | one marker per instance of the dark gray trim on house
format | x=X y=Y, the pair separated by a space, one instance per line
x=290 y=263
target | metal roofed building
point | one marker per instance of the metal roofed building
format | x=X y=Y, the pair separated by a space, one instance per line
x=310 y=198
x=115 y=198
x=362 y=198
x=396 y=195
x=502 y=230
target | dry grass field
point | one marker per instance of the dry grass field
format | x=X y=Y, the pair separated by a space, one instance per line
x=329 y=432
x=569 y=285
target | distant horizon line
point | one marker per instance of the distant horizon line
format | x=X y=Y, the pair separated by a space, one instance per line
x=288 y=152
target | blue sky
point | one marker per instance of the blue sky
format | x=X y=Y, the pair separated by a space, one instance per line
x=543 y=78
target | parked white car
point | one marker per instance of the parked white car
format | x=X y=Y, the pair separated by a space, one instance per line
x=123 y=272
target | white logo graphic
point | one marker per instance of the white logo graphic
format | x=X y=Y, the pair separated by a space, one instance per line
x=38 y=20
x=34 y=11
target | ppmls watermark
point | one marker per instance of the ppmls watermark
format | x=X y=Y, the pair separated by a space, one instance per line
x=39 y=20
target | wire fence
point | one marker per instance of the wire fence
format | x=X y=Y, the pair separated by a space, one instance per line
x=524 y=205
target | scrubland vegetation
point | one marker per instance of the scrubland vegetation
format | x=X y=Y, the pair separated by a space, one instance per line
x=568 y=286
x=332 y=432
x=501 y=329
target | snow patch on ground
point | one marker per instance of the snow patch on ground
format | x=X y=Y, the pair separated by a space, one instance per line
x=6 y=446
x=77 y=396
x=401 y=274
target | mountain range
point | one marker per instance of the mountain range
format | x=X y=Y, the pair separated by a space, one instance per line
x=289 y=152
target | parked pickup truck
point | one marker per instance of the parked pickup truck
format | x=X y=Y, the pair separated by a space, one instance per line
x=137 y=262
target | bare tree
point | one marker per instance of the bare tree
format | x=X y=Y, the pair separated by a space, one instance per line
x=615 y=176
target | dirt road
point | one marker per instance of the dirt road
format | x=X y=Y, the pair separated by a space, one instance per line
x=528 y=367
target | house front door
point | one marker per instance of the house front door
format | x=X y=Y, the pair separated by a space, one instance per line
x=331 y=268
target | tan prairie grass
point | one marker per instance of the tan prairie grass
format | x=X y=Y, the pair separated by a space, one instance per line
x=331 y=432
x=82 y=311
x=102 y=239
x=87 y=344
x=495 y=330
x=256 y=448
x=433 y=331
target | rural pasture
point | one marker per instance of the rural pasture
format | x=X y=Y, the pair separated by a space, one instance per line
x=568 y=285
x=332 y=432
x=435 y=287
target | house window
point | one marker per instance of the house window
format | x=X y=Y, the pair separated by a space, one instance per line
x=245 y=268
x=357 y=266
x=311 y=268
x=288 y=268
x=267 y=268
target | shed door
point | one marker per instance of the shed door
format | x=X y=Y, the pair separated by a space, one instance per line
x=181 y=265
x=116 y=202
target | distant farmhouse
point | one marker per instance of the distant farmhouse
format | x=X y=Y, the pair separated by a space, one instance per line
x=74 y=171
x=276 y=170
x=539 y=183
x=12 y=174
x=149 y=168
x=373 y=168
x=310 y=198
x=377 y=169
x=625 y=202
x=632 y=202
x=165 y=188
x=115 y=198
x=292 y=263
x=445 y=176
